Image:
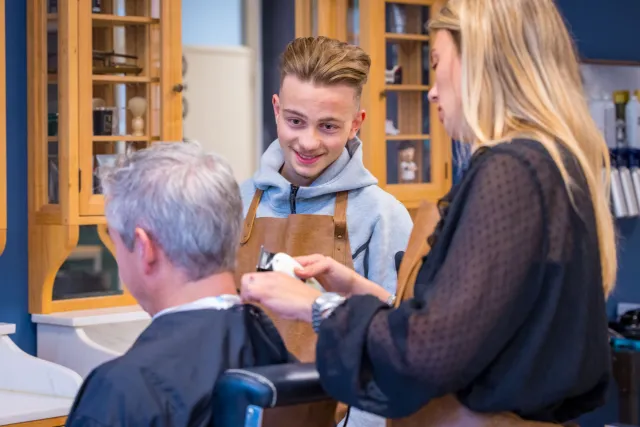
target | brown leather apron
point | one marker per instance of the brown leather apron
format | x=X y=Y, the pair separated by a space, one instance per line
x=296 y=235
x=445 y=411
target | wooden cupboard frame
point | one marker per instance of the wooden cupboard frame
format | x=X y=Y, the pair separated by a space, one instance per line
x=54 y=228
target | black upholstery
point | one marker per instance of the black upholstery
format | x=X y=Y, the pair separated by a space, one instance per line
x=264 y=387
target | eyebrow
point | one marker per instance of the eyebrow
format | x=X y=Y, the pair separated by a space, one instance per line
x=297 y=113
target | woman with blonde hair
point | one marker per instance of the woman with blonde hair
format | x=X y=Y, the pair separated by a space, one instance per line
x=505 y=318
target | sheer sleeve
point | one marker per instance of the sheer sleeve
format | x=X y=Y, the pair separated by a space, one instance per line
x=392 y=362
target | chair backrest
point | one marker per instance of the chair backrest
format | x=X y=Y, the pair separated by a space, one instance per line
x=269 y=396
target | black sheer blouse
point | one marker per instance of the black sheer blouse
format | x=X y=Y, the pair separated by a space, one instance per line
x=508 y=313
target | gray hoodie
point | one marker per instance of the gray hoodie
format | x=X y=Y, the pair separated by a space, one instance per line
x=378 y=224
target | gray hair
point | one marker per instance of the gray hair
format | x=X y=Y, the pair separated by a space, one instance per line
x=186 y=199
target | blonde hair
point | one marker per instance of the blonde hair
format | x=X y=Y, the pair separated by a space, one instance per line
x=325 y=61
x=521 y=53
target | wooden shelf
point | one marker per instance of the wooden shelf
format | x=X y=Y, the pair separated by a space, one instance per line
x=407 y=88
x=52 y=16
x=107 y=78
x=103 y=20
x=52 y=139
x=126 y=138
x=406 y=37
x=407 y=137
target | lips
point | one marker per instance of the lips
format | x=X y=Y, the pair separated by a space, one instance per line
x=306 y=159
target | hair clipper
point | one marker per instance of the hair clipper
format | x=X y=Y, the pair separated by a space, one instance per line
x=283 y=263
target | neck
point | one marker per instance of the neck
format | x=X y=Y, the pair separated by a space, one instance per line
x=210 y=286
x=290 y=175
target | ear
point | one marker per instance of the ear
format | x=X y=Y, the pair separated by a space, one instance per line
x=357 y=123
x=146 y=250
x=275 y=100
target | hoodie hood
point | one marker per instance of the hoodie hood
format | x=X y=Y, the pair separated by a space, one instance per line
x=345 y=174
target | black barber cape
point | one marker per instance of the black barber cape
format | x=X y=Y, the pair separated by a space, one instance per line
x=168 y=375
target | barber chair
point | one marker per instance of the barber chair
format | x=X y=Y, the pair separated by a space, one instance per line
x=276 y=395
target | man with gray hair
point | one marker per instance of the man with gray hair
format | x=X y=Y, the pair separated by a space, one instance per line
x=174 y=214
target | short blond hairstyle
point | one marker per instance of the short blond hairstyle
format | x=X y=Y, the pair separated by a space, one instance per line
x=325 y=61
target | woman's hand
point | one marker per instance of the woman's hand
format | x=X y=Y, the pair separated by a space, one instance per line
x=332 y=275
x=286 y=296
x=335 y=277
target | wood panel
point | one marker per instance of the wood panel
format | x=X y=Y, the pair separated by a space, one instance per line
x=48 y=422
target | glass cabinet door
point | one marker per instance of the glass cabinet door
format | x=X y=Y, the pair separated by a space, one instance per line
x=406 y=86
x=47 y=72
x=122 y=82
x=416 y=147
x=353 y=22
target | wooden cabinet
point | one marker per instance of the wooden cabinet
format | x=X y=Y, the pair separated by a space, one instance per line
x=405 y=144
x=103 y=78
x=49 y=422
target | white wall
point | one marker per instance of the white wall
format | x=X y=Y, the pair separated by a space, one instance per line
x=211 y=22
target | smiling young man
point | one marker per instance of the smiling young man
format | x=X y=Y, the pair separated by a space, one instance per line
x=312 y=192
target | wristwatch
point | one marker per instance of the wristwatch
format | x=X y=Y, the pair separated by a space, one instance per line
x=391 y=300
x=323 y=306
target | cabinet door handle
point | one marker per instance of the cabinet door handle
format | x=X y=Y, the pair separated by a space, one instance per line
x=179 y=87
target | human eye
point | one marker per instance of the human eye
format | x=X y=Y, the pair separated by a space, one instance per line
x=295 y=122
x=329 y=127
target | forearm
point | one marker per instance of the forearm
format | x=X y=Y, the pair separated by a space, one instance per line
x=363 y=286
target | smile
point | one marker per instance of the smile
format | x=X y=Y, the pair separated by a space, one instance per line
x=306 y=159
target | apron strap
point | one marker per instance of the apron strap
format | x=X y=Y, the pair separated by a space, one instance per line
x=251 y=216
x=424 y=223
x=340 y=228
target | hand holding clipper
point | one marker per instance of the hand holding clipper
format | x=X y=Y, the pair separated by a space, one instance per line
x=283 y=263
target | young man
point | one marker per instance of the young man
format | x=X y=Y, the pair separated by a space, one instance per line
x=174 y=215
x=312 y=192
x=317 y=156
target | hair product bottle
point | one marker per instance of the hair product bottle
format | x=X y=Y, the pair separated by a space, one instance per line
x=621 y=98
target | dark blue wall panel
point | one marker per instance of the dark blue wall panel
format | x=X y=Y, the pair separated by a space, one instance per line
x=13 y=262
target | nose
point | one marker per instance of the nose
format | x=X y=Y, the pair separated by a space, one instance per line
x=310 y=141
x=433 y=94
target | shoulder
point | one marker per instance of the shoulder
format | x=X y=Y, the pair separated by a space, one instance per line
x=524 y=155
x=247 y=190
x=524 y=160
x=107 y=389
x=373 y=201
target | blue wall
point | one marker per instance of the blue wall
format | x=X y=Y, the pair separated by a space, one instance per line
x=13 y=262
x=604 y=29
x=212 y=22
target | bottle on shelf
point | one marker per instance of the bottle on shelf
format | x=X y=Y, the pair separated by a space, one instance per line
x=621 y=99
x=597 y=106
x=633 y=140
x=618 y=203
